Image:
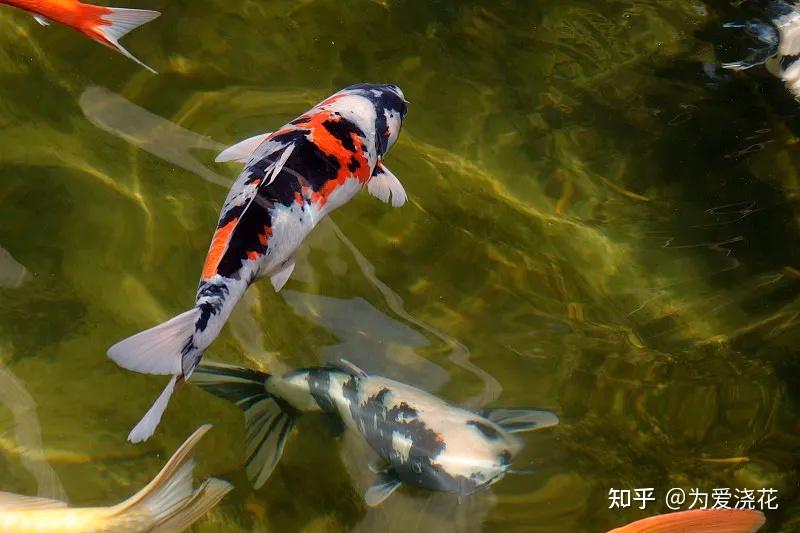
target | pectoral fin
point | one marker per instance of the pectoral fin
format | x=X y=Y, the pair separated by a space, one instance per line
x=242 y=150
x=41 y=20
x=383 y=487
x=518 y=420
x=350 y=368
x=385 y=186
x=281 y=276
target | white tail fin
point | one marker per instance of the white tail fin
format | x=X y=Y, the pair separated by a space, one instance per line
x=158 y=350
x=121 y=21
x=149 y=422
x=169 y=501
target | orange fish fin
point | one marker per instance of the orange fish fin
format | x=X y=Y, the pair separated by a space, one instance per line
x=699 y=521
x=112 y=23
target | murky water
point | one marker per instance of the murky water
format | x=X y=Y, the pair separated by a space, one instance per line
x=600 y=223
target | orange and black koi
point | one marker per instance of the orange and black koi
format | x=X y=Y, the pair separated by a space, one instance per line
x=292 y=178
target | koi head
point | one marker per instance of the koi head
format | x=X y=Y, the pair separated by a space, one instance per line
x=390 y=106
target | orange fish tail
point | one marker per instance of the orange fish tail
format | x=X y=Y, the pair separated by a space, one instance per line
x=697 y=521
x=107 y=25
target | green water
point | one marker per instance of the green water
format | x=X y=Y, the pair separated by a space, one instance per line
x=596 y=226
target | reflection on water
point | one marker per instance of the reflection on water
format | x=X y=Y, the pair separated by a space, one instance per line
x=599 y=223
x=27 y=434
x=151 y=133
x=369 y=339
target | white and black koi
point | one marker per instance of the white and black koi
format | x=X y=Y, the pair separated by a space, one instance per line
x=422 y=440
x=292 y=178
x=781 y=35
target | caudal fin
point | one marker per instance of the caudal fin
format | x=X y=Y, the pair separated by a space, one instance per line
x=158 y=350
x=149 y=422
x=699 y=521
x=168 y=502
x=113 y=23
x=268 y=420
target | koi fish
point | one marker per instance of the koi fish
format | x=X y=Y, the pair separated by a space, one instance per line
x=781 y=35
x=699 y=521
x=106 y=25
x=420 y=439
x=167 y=503
x=292 y=178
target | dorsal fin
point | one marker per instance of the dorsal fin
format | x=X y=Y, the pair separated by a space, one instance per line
x=350 y=368
x=518 y=420
x=16 y=502
x=242 y=150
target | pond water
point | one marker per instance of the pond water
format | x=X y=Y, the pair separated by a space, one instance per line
x=601 y=222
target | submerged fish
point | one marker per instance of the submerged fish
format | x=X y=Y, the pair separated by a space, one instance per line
x=292 y=178
x=421 y=440
x=168 y=503
x=12 y=274
x=698 y=521
x=781 y=35
x=106 y=25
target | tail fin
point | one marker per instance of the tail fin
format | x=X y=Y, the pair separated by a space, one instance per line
x=158 y=350
x=113 y=23
x=268 y=420
x=149 y=422
x=168 y=502
x=699 y=521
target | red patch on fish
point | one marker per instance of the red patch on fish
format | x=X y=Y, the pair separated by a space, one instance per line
x=314 y=124
x=218 y=246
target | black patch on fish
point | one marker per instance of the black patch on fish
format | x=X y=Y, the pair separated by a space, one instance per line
x=779 y=8
x=212 y=290
x=354 y=164
x=246 y=237
x=788 y=61
x=402 y=412
x=385 y=100
x=207 y=309
x=350 y=391
x=504 y=458
x=488 y=431
x=188 y=348
x=232 y=212
x=308 y=165
x=342 y=130
x=381 y=131
x=319 y=383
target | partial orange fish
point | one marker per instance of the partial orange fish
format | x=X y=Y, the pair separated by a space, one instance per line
x=698 y=521
x=106 y=25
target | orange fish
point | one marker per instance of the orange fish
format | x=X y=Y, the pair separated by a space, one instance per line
x=106 y=25
x=698 y=521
